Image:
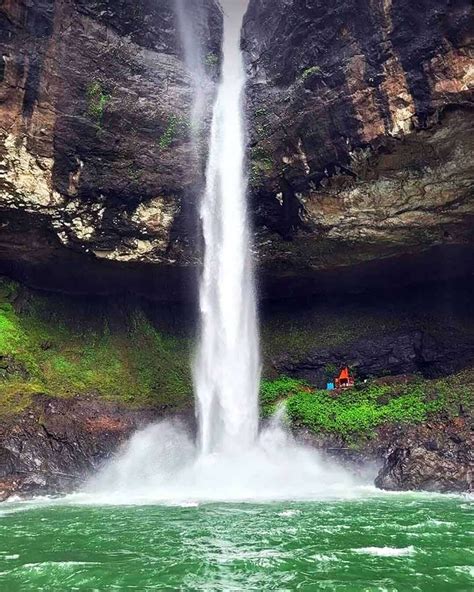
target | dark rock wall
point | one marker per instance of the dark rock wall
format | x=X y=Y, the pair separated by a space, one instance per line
x=395 y=353
x=95 y=107
x=425 y=332
x=57 y=444
x=434 y=457
x=362 y=128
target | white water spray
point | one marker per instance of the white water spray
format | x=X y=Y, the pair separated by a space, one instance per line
x=227 y=365
x=232 y=461
x=188 y=25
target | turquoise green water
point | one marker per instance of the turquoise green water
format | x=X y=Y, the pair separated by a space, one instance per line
x=387 y=543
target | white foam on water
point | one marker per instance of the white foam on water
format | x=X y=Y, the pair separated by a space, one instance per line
x=48 y=566
x=465 y=569
x=321 y=558
x=387 y=551
x=289 y=513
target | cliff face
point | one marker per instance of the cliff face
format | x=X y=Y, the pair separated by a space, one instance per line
x=360 y=175
x=58 y=443
x=360 y=138
x=95 y=106
x=363 y=125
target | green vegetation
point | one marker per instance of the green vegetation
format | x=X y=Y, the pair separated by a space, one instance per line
x=274 y=391
x=176 y=124
x=313 y=71
x=53 y=347
x=261 y=112
x=212 y=59
x=357 y=412
x=68 y=347
x=261 y=165
x=97 y=101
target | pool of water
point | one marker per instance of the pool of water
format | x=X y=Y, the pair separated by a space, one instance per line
x=382 y=542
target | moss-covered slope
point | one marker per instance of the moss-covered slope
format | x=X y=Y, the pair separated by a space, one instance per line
x=67 y=347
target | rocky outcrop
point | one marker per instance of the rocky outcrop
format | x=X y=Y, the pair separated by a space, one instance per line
x=408 y=352
x=433 y=457
x=95 y=107
x=57 y=443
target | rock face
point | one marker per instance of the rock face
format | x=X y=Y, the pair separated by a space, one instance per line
x=55 y=445
x=58 y=443
x=412 y=352
x=360 y=117
x=95 y=103
x=363 y=127
x=360 y=173
x=433 y=457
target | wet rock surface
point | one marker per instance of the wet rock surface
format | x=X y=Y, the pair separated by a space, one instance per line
x=436 y=456
x=433 y=457
x=363 y=114
x=360 y=120
x=56 y=444
x=95 y=108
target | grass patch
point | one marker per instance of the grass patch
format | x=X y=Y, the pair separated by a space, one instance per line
x=274 y=391
x=356 y=413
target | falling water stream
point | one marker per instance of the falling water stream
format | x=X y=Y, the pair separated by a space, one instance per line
x=227 y=366
x=232 y=459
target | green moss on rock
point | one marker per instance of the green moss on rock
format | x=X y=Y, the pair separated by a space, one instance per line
x=66 y=350
x=97 y=101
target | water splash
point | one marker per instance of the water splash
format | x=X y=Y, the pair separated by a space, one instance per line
x=161 y=464
x=227 y=366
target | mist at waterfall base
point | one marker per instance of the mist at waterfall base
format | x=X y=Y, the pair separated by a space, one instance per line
x=162 y=464
x=231 y=460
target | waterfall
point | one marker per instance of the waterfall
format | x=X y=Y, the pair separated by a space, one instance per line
x=232 y=460
x=227 y=365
